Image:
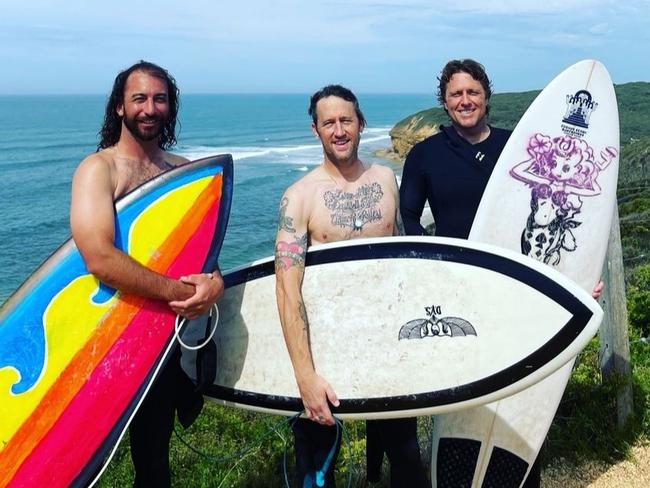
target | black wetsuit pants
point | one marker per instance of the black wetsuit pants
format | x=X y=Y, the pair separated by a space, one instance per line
x=398 y=439
x=151 y=428
x=313 y=444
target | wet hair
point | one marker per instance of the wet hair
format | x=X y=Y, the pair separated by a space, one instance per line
x=469 y=66
x=335 y=91
x=110 y=132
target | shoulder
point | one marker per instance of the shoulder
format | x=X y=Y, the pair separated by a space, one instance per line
x=500 y=134
x=97 y=165
x=381 y=171
x=382 y=174
x=175 y=159
x=306 y=185
x=431 y=143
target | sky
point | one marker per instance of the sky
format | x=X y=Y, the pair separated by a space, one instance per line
x=297 y=46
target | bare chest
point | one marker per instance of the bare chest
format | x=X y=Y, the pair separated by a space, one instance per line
x=132 y=174
x=365 y=211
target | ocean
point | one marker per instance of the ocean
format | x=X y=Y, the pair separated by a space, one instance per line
x=43 y=139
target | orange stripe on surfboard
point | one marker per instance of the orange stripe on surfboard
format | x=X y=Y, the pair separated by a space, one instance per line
x=107 y=332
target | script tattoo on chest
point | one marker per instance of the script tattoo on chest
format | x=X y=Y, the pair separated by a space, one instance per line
x=354 y=210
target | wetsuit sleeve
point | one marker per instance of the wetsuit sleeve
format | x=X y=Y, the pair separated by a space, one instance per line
x=412 y=195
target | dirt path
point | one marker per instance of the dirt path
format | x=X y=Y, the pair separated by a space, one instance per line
x=634 y=473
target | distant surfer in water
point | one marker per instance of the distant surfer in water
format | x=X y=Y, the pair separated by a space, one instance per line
x=341 y=199
x=139 y=127
x=451 y=168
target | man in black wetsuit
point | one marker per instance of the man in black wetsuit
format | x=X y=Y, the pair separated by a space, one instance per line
x=451 y=168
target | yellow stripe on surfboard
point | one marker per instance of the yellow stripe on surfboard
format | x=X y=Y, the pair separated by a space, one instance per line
x=65 y=334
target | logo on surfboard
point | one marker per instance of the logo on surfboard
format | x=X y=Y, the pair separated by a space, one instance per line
x=435 y=326
x=561 y=172
x=579 y=109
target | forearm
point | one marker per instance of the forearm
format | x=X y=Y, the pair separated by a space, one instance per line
x=296 y=335
x=118 y=270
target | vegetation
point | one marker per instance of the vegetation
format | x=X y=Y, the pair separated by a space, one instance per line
x=507 y=108
x=246 y=449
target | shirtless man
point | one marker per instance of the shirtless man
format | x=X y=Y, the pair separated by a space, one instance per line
x=139 y=126
x=341 y=199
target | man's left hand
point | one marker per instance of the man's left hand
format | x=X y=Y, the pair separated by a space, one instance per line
x=208 y=289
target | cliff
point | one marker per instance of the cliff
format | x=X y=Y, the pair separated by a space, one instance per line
x=507 y=108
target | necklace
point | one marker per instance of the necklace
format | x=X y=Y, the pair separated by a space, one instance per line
x=351 y=205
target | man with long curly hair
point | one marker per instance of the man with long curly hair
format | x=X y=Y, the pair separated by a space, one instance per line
x=139 y=127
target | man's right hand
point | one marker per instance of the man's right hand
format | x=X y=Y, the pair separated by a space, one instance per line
x=208 y=288
x=315 y=393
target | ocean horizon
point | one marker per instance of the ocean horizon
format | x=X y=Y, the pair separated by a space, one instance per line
x=44 y=137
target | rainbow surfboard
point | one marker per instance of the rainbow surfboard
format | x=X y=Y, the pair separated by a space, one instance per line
x=76 y=357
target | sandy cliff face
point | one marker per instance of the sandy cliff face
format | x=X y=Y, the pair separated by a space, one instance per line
x=404 y=137
x=414 y=129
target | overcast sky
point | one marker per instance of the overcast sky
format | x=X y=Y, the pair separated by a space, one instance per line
x=297 y=46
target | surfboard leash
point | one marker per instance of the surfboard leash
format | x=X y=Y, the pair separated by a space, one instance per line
x=238 y=454
x=315 y=478
x=180 y=322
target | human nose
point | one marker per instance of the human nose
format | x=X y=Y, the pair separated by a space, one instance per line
x=149 y=107
x=465 y=99
x=338 y=129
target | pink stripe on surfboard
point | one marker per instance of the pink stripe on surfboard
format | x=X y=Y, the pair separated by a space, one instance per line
x=71 y=443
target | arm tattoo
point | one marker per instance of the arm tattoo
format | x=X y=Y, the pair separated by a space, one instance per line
x=288 y=254
x=284 y=222
x=303 y=314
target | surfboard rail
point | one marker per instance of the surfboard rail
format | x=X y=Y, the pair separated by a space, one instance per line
x=253 y=370
x=69 y=381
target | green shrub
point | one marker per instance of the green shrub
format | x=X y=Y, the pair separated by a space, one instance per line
x=638 y=299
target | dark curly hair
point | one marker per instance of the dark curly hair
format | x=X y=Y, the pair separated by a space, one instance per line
x=109 y=134
x=335 y=91
x=472 y=68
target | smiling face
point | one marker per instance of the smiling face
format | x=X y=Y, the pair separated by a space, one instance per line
x=338 y=128
x=465 y=102
x=145 y=108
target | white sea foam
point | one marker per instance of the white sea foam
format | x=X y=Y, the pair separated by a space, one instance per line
x=286 y=154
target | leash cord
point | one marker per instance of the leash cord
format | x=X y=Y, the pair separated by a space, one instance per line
x=273 y=429
x=180 y=321
x=240 y=453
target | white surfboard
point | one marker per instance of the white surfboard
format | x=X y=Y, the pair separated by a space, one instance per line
x=551 y=196
x=399 y=326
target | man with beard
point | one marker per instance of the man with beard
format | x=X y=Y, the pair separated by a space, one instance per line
x=341 y=199
x=139 y=126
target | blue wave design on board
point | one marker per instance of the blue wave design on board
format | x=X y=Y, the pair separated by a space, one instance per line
x=22 y=332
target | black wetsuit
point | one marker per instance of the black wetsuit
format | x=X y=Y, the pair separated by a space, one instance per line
x=451 y=174
x=152 y=427
x=313 y=444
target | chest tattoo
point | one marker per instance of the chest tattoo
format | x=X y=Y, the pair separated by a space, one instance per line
x=354 y=210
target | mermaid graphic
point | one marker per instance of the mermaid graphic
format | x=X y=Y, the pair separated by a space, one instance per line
x=561 y=172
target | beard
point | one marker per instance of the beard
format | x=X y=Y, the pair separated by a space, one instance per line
x=146 y=134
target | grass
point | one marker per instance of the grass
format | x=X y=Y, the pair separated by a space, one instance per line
x=241 y=449
x=245 y=449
